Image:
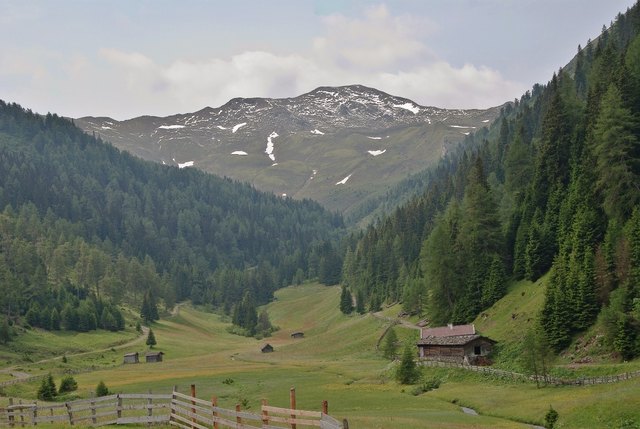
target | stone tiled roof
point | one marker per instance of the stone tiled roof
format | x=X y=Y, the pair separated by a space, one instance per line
x=457 y=340
x=448 y=331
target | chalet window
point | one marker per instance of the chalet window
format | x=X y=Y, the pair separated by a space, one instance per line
x=477 y=350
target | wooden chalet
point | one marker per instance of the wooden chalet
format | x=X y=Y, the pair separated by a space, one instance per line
x=267 y=348
x=153 y=357
x=132 y=357
x=457 y=344
x=297 y=335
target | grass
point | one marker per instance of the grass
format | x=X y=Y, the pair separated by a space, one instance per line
x=337 y=361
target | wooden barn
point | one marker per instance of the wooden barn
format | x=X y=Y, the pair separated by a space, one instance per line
x=458 y=344
x=267 y=348
x=152 y=357
x=132 y=357
x=297 y=335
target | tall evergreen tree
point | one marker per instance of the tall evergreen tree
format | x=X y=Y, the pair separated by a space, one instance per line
x=346 y=304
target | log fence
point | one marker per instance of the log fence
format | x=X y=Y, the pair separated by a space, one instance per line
x=547 y=379
x=177 y=409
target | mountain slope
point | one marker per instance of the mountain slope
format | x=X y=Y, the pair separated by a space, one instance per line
x=81 y=215
x=334 y=145
x=553 y=189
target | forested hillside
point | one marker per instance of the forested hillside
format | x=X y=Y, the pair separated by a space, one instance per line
x=85 y=226
x=553 y=186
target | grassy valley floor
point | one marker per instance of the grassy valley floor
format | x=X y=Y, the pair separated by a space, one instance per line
x=336 y=361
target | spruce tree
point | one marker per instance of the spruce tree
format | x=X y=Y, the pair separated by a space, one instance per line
x=346 y=303
x=5 y=332
x=47 y=390
x=616 y=150
x=151 y=339
x=407 y=372
x=360 y=307
x=390 y=345
x=101 y=389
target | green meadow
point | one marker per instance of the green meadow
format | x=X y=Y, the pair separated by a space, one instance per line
x=336 y=361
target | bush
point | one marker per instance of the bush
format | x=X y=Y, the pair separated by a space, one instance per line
x=67 y=384
x=426 y=386
x=550 y=418
x=101 y=389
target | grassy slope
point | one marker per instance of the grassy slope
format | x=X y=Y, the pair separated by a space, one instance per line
x=337 y=361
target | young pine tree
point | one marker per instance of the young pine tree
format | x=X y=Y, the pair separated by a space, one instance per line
x=390 y=345
x=101 y=389
x=407 y=372
x=151 y=339
x=346 y=304
x=47 y=390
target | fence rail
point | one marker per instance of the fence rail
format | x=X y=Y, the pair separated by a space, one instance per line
x=547 y=379
x=177 y=409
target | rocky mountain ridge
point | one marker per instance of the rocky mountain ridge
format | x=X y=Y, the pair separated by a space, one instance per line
x=280 y=145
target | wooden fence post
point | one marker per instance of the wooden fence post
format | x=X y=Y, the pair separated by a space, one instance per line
x=34 y=416
x=214 y=404
x=172 y=410
x=325 y=407
x=150 y=406
x=93 y=412
x=21 y=413
x=292 y=402
x=10 y=412
x=69 y=412
x=193 y=410
x=265 y=414
x=238 y=419
x=119 y=406
x=345 y=424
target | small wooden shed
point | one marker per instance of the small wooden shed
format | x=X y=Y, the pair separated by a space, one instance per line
x=153 y=357
x=298 y=334
x=267 y=348
x=132 y=357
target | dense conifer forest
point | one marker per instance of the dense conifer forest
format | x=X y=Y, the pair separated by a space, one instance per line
x=552 y=187
x=84 y=227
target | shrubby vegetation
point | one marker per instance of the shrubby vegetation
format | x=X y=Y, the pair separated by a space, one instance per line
x=552 y=186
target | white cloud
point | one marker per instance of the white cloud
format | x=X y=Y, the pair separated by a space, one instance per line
x=377 y=49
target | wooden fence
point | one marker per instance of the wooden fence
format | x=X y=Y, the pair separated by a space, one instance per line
x=546 y=379
x=177 y=409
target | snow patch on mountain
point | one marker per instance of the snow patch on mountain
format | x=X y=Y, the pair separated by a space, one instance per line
x=239 y=152
x=185 y=164
x=408 y=106
x=269 y=149
x=237 y=127
x=317 y=131
x=376 y=152
x=343 y=181
x=486 y=120
x=170 y=127
x=221 y=127
x=374 y=138
x=106 y=128
x=459 y=126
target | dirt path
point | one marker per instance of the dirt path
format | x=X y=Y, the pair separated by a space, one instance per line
x=23 y=376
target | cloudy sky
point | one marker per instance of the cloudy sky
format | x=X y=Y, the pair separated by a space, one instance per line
x=125 y=58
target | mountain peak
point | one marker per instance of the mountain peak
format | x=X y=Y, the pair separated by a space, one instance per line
x=301 y=146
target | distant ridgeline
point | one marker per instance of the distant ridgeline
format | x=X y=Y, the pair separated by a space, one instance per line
x=553 y=186
x=84 y=226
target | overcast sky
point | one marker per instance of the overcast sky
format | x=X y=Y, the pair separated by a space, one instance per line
x=126 y=58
